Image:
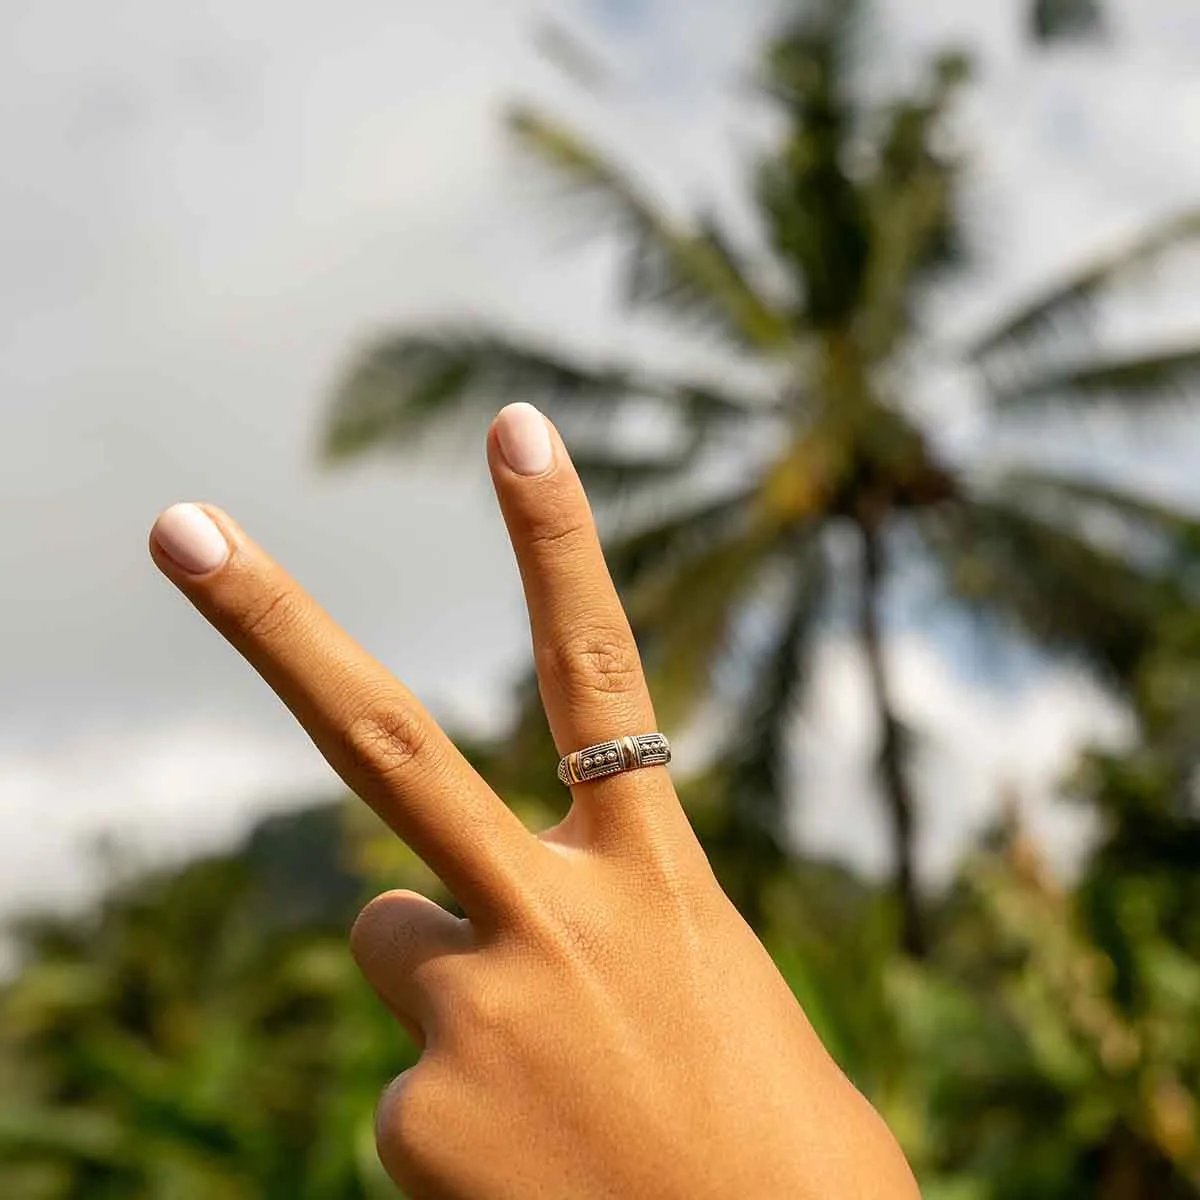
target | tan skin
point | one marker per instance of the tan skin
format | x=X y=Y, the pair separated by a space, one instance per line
x=602 y=1023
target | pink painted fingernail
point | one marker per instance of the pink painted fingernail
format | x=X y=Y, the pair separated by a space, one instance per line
x=524 y=439
x=190 y=539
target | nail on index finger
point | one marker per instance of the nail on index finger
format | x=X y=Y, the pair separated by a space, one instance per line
x=191 y=540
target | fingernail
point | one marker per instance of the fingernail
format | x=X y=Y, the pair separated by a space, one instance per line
x=524 y=439
x=188 y=536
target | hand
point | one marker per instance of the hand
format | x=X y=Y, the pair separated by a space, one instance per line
x=602 y=1023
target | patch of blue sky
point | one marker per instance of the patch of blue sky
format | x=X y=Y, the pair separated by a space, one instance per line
x=619 y=16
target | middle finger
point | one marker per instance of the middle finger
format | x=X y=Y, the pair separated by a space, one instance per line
x=589 y=670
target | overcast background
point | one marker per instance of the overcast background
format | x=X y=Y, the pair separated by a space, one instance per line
x=203 y=208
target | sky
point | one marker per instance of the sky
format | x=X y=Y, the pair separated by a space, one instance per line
x=205 y=208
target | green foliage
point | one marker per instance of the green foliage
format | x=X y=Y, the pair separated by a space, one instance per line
x=205 y=1034
x=1038 y=1079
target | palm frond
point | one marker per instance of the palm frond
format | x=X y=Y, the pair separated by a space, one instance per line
x=1020 y=572
x=1058 y=495
x=739 y=805
x=758 y=760
x=1144 y=379
x=607 y=473
x=691 y=273
x=916 y=225
x=659 y=547
x=684 y=617
x=1069 y=303
x=404 y=383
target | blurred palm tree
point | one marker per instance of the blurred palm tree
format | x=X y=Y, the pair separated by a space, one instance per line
x=815 y=430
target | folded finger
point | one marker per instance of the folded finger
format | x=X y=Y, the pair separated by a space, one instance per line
x=397 y=941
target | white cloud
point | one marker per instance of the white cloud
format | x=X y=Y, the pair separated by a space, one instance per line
x=163 y=793
x=977 y=744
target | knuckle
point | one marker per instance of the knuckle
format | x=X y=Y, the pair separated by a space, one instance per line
x=273 y=612
x=385 y=739
x=407 y=1122
x=552 y=529
x=598 y=662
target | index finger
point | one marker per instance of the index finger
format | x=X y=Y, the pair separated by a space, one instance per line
x=368 y=726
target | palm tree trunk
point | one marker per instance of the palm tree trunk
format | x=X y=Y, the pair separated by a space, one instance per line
x=896 y=788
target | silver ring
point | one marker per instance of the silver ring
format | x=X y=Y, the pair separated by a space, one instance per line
x=611 y=758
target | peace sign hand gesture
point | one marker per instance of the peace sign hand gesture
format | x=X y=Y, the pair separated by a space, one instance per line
x=602 y=1023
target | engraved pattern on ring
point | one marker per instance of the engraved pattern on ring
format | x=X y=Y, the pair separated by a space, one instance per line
x=613 y=757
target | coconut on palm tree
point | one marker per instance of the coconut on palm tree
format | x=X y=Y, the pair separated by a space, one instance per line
x=731 y=584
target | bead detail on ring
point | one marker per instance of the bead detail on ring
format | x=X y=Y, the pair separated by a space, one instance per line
x=611 y=758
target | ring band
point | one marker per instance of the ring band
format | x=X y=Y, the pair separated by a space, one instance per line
x=611 y=758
